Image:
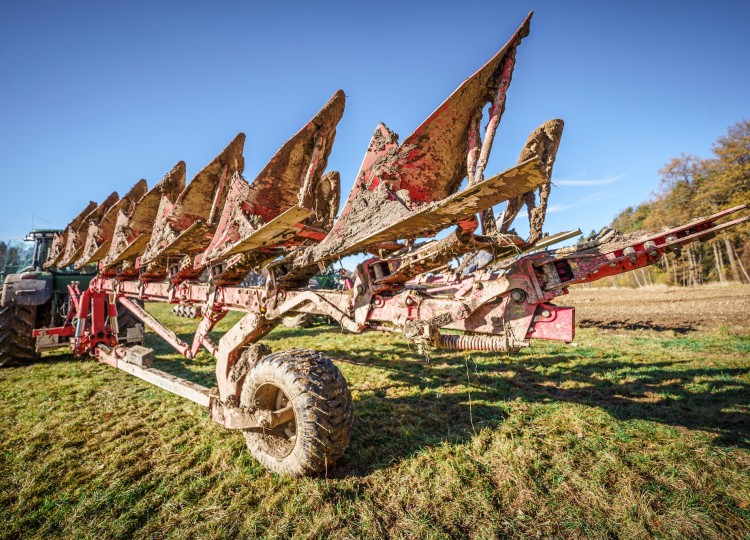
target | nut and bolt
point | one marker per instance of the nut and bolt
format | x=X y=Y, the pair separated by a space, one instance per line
x=518 y=295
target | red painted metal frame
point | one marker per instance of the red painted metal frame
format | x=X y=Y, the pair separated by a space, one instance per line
x=221 y=224
x=89 y=322
x=495 y=310
x=513 y=302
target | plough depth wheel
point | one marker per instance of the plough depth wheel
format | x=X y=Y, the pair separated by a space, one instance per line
x=308 y=388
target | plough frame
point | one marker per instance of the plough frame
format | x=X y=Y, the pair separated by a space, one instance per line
x=208 y=234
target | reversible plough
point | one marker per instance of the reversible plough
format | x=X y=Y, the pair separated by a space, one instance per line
x=192 y=245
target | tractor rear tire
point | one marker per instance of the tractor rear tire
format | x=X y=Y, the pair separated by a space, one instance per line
x=323 y=412
x=17 y=344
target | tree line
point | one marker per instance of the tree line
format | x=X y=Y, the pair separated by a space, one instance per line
x=690 y=187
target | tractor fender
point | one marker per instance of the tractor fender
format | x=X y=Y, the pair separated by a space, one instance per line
x=26 y=289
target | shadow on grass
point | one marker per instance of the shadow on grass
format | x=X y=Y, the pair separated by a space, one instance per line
x=664 y=392
x=673 y=392
x=681 y=329
x=412 y=405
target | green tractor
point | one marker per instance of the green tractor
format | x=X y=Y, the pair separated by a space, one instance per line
x=32 y=297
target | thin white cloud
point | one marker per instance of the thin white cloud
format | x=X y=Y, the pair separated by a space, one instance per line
x=551 y=209
x=588 y=181
x=554 y=208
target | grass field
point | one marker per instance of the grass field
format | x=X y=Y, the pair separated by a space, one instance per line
x=630 y=433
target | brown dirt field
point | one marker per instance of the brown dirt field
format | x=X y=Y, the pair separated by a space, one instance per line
x=680 y=309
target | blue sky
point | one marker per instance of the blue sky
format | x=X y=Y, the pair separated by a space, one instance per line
x=94 y=96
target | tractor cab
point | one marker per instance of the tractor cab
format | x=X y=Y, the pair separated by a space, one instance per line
x=16 y=256
x=26 y=255
x=42 y=242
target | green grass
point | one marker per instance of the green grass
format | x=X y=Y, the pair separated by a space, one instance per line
x=629 y=434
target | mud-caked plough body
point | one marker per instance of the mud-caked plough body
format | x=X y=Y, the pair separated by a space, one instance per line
x=193 y=244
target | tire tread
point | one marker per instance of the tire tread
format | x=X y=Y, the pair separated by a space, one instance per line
x=323 y=405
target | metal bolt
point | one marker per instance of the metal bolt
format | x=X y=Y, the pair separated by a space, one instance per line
x=545 y=313
x=518 y=295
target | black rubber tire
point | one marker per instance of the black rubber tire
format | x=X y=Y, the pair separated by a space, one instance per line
x=17 y=345
x=322 y=406
x=301 y=320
